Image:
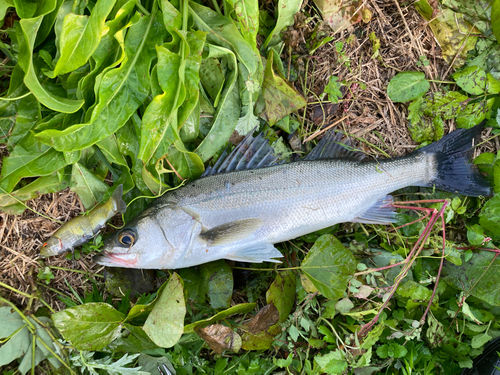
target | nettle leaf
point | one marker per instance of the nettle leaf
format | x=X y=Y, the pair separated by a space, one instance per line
x=329 y=265
x=80 y=37
x=121 y=91
x=466 y=276
x=280 y=98
x=90 y=326
x=406 y=86
x=165 y=323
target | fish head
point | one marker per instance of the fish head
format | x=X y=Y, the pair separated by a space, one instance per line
x=153 y=240
x=53 y=246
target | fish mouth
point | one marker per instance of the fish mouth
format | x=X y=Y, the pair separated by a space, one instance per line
x=116 y=259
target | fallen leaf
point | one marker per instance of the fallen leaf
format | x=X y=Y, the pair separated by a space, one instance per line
x=220 y=338
x=265 y=318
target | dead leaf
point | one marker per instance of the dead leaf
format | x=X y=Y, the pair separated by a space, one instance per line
x=220 y=338
x=342 y=14
x=265 y=319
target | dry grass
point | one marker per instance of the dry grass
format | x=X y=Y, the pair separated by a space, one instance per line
x=368 y=114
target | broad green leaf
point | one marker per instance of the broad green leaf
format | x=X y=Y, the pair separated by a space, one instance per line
x=217 y=282
x=329 y=265
x=159 y=123
x=286 y=13
x=406 y=86
x=42 y=185
x=14 y=328
x=80 y=37
x=186 y=163
x=242 y=308
x=479 y=340
x=29 y=159
x=471 y=79
x=8 y=109
x=416 y=293
x=247 y=12
x=165 y=323
x=137 y=341
x=90 y=326
x=121 y=91
x=228 y=109
x=474 y=271
x=28 y=113
x=495 y=19
x=280 y=99
x=89 y=188
x=212 y=78
x=489 y=218
x=222 y=31
x=30 y=28
x=333 y=362
x=474 y=113
x=4 y=6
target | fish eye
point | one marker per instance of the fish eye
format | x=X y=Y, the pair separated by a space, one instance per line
x=126 y=238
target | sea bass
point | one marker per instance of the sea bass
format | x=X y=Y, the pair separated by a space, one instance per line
x=82 y=228
x=247 y=203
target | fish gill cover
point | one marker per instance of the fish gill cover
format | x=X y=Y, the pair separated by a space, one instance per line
x=146 y=94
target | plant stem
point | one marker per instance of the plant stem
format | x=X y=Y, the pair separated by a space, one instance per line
x=437 y=81
x=141 y=8
x=77 y=271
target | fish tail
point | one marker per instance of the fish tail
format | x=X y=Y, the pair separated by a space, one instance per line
x=455 y=173
x=119 y=203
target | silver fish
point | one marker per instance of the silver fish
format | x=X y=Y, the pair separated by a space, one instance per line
x=245 y=204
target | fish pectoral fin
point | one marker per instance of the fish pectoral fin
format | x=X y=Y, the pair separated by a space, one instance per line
x=121 y=206
x=257 y=253
x=230 y=232
x=382 y=212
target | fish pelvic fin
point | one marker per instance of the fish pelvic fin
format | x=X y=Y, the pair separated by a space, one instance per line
x=117 y=199
x=454 y=172
x=382 y=212
x=257 y=253
x=230 y=232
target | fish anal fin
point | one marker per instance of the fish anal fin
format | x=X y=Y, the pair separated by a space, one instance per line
x=382 y=212
x=258 y=253
x=230 y=232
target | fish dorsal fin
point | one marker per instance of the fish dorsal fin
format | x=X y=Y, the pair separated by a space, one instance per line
x=230 y=232
x=382 y=212
x=252 y=152
x=330 y=147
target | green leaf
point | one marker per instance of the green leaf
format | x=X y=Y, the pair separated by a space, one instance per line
x=89 y=188
x=495 y=19
x=30 y=28
x=471 y=79
x=406 y=86
x=479 y=340
x=80 y=37
x=416 y=293
x=329 y=265
x=14 y=328
x=228 y=109
x=333 y=362
x=242 y=308
x=121 y=91
x=247 y=12
x=286 y=13
x=165 y=323
x=333 y=89
x=212 y=78
x=30 y=158
x=489 y=218
x=464 y=277
x=217 y=279
x=90 y=326
x=280 y=99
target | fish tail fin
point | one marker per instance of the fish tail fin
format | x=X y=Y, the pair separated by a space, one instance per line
x=120 y=204
x=455 y=173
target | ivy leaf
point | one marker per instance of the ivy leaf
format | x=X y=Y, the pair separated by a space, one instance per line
x=329 y=265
